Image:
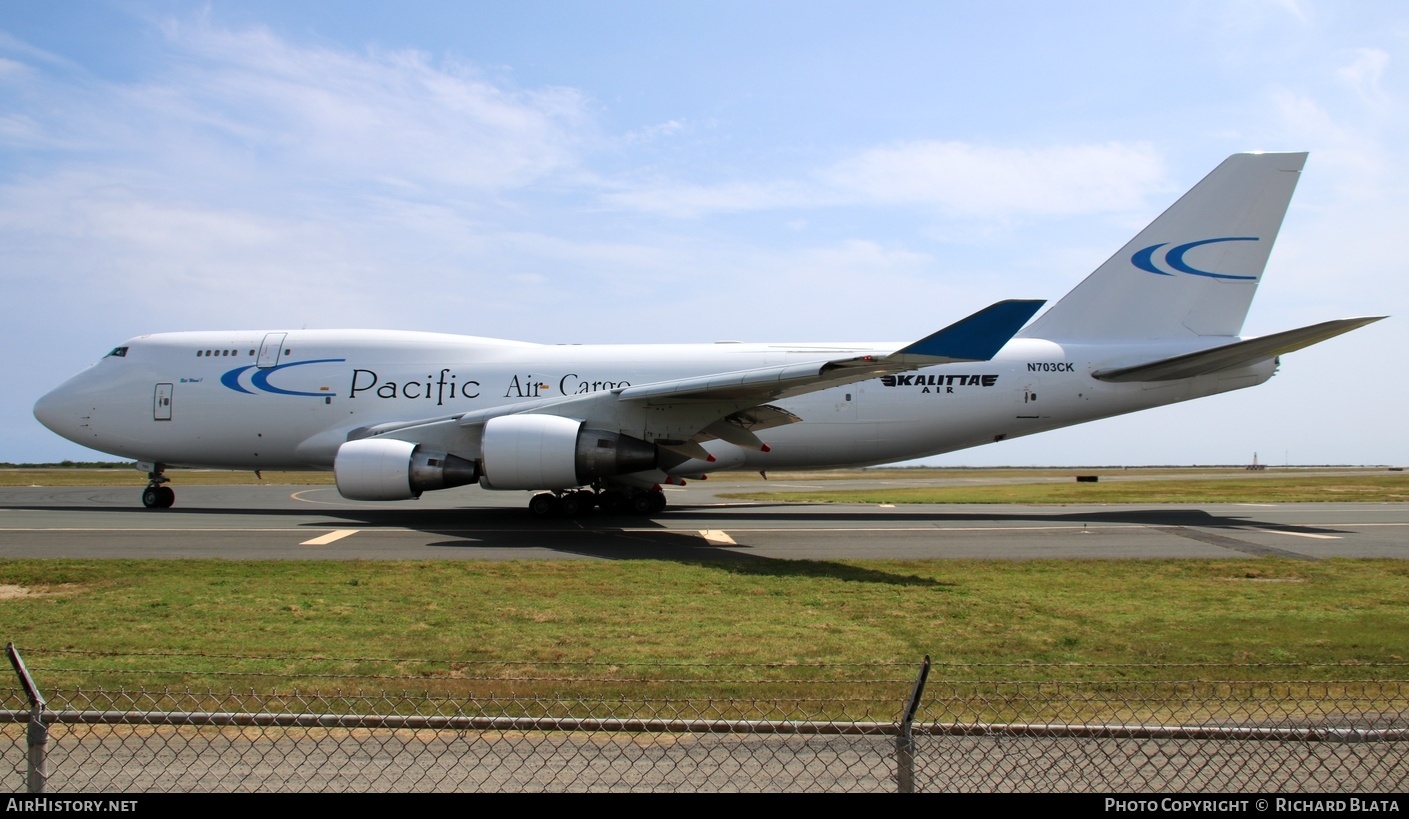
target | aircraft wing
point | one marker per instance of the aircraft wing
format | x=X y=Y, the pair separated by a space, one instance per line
x=732 y=406
x=976 y=338
x=1235 y=354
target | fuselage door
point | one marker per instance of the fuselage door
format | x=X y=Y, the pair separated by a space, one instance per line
x=1027 y=401
x=270 y=350
x=161 y=403
x=846 y=403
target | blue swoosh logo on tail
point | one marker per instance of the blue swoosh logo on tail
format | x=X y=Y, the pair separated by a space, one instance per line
x=1174 y=258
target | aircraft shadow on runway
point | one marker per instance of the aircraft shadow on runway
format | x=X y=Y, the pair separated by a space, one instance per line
x=499 y=520
x=594 y=536
x=629 y=537
x=1163 y=516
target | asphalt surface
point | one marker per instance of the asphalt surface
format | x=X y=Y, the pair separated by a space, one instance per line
x=302 y=522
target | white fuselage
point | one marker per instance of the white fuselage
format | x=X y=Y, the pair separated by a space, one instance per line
x=395 y=414
x=254 y=400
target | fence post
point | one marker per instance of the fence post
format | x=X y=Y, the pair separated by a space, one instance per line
x=38 y=733
x=905 y=741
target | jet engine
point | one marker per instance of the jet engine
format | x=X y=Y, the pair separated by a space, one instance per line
x=552 y=452
x=386 y=469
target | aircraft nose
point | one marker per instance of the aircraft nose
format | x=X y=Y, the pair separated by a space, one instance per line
x=59 y=411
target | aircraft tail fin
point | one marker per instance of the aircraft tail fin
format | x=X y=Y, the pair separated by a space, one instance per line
x=1193 y=271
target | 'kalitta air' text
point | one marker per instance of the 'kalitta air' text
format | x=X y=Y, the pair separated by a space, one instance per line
x=938 y=383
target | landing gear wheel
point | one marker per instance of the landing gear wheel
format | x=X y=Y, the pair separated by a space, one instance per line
x=578 y=503
x=612 y=502
x=543 y=505
x=158 y=497
x=648 y=503
x=571 y=505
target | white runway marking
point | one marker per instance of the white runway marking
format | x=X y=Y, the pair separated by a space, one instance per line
x=333 y=536
x=338 y=501
x=717 y=537
x=1300 y=534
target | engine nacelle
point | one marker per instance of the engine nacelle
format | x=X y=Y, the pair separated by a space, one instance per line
x=552 y=452
x=386 y=469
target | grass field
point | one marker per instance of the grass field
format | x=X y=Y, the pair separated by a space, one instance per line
x=310 y=617
x=131 y=477
x=1384 y=487
x=1039 y=485
x=700 y=627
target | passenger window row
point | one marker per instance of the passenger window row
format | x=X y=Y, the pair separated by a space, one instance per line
x=200 y=353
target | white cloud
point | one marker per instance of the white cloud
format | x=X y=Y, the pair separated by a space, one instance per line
x=1334 y=142
x=1295 y=8
x=249 y=108
x=17 y=46
x=10 y=70
x=976 y=180
x=954 y=178
x=1364 y=75
x=20 y=130
x=689 y=200
x=394 y=116
x=251 y=172
x=659 y=130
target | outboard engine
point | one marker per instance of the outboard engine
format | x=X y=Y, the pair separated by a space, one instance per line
x=552 y=452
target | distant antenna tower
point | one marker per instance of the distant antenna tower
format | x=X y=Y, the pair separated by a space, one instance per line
x=1255 y=466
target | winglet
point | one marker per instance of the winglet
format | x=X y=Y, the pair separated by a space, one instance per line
x=978 y=337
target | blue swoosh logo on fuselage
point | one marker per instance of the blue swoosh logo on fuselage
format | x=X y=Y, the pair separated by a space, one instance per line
x=260 y=380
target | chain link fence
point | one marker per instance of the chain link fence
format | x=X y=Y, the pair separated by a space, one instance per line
x=889 y=731
x=1168 y=736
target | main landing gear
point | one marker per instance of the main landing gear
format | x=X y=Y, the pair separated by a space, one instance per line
x=581 y=501
x=158 y=495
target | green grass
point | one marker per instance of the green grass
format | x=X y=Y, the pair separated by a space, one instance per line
x=182 y=477
x=1382 y=488
x=1146 y=485
x=715 y=629
x=500 y=627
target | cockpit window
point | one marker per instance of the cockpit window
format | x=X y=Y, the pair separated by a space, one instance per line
x=119 y=352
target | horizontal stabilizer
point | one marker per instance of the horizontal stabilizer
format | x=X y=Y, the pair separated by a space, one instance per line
x=1235 y=354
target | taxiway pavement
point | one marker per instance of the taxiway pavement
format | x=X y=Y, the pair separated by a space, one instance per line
x=315 y=523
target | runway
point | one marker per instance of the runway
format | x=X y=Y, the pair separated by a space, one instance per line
x=315 y=523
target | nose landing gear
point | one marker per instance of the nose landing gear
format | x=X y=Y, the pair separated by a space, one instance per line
x=158 y=495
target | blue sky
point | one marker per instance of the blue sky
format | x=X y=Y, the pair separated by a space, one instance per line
x=639 y=172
